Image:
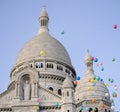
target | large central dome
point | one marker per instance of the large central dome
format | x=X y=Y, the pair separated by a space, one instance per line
x=43 y=42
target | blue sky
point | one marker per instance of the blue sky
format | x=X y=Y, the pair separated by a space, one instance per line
x=88 y=24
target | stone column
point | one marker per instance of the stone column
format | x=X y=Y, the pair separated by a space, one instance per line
x=36 y=89
x=32 y=92
x=17 y=87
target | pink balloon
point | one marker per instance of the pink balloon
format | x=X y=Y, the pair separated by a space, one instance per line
x=115 y=26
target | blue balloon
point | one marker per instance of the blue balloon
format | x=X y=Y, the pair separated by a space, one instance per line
x=57 y=104
x=102 y=69
x=78 y=78
x=81 y=107
x=87 y=109
x=101 y=80
x=95 y=59
x=94 y=84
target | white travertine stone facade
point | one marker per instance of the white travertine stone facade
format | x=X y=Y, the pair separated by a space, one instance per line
x=45 y=83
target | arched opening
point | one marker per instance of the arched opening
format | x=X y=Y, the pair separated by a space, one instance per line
x=90 y=110
x=67 y=93
x=95 y=109
x=25 y=87
x=59 y=92
x=39 y=65
x=50 y=88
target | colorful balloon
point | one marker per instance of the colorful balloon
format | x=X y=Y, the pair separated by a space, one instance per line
x=93 y=100
x=94 y=84
x=101 y=63
x=115 y=26
x=87 y=108
x=38 y=100
x=106 y=94
x=102 y=105
x=106 y=84
x=57 y=104
x=92 y=80
x=113 y=60
x=101 y=80
x=78 y=78
x=110 y=80
x=89 y=88
x=95 y=59
x=42 y=53
x=81 y=107
x=102 y=69
x=112 y=107
x=62 y=32
x=114 y=94
x=89 y=80
x=35 y=107
x=92 y=94
x=115 y=87
x=94 y=77
x=75 y=83
x=92 y=58
x=97 y=78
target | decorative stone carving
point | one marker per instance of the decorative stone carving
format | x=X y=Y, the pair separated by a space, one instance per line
x=27 y=90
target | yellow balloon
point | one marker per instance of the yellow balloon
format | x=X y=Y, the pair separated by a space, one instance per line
x=92 y=80
x=106 y=85
x=89 y=88
x=42 y=53
x=35 y=107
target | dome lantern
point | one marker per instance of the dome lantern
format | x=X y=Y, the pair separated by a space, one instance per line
x=89 y=63
x=43 y=20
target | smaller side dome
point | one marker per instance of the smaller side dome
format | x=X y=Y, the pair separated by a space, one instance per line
x=90 y=86
x=67 y=83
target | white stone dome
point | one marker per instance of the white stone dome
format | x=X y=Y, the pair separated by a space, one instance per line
x=95 y=89
x=52 y=48
x=89 y=90
x=43 y=42
x=67 y=83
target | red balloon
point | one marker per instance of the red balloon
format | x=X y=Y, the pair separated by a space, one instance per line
x=115 y=26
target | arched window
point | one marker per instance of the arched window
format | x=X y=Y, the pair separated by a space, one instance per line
x=39 y=65
x=31 y=65
x=49 y=65
x=68 y=110
x=90 y=110
x=50 y=88
x=59 y=68
x=96 y=109
x=109 y=110
x=105 y=110
x=59 y=92
x=67 y=71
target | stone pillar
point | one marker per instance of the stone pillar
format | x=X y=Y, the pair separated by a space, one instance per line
x=32 y=92
x=36 y=89
x=17 y=89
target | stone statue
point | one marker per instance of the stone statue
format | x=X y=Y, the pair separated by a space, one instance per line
x=27 y=90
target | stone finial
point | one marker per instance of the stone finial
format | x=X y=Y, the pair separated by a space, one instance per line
x=43 y=20
x=88 y=62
